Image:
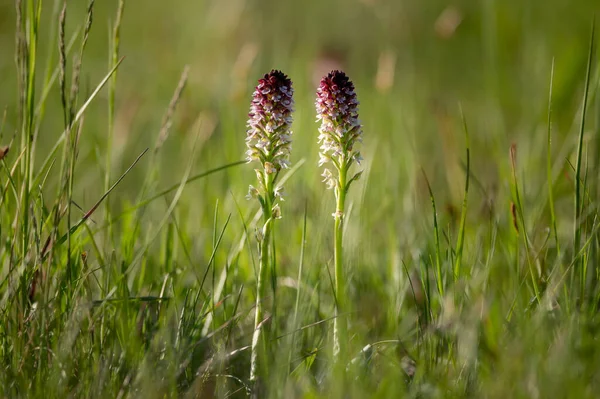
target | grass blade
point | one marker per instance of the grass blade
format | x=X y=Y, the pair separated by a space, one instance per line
x=578 y=226
x=89 y=213
x=463 y=214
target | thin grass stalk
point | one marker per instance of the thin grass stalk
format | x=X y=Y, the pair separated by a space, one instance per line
x=63 y=189
x=463 y=213
x=163 y=134
x=214 y=268
x=550 y=180
x=436 y=231
x=112 y=88
x=74 y=130
x=154 y=161
x=26 y=59
x=579 y=265
x=519 y=223
x=298 y=290
x=549 y=162
x=74 y=95
x=49 y=78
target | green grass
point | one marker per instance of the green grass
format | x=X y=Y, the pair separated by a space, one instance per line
x=128 y=256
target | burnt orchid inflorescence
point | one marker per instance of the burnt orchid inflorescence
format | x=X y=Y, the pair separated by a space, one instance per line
x=270 y=118
x=269 y=143
x=340 y=131
x=337 y=109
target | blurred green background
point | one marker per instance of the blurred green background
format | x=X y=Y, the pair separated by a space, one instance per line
x=415 y=65
x=412 y=62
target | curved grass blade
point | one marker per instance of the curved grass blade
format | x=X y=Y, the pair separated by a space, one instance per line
x=78 y=116
x=463 y=215
x=89 y=213
x=581 y=265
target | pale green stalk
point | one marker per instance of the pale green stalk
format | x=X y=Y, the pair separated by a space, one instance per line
x=263 y=267
x=112 y=86
x=339 y=326
x=340 y=131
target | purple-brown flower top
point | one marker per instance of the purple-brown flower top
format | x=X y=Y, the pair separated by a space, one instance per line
x=337 y=109
x=270 y=118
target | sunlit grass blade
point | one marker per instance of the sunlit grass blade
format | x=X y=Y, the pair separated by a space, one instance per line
x=438 y=255
x=112 y=88
x=75 y=120
x=89 y=213
x=299 y=282
x=174 y=188
x=581 y=265
x=463 y=213
x=550 y=180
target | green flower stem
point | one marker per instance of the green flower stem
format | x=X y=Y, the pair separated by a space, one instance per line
x=262 y=278
x=339 y=326
x=268 y=141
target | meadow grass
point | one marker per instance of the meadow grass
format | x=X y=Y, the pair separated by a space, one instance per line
x=128 y=257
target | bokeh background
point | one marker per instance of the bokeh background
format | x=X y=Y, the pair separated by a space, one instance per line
x=415 y=65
